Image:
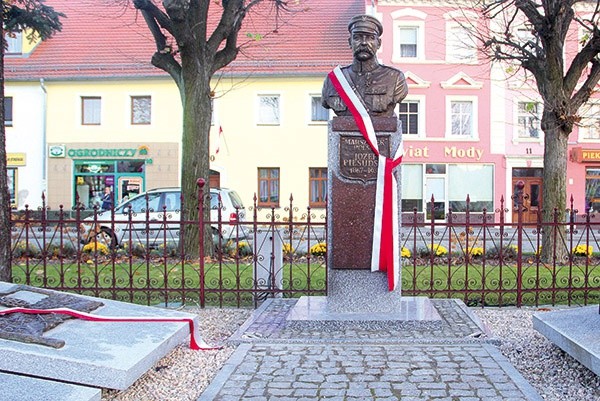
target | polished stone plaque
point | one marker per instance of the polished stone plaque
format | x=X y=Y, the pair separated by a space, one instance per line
x=357 y=160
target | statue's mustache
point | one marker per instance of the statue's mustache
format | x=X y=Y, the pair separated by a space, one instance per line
x=364 y=49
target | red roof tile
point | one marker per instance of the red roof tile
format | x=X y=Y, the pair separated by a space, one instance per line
x=109 y=41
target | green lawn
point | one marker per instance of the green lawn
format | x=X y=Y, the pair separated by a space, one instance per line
x=231 y=283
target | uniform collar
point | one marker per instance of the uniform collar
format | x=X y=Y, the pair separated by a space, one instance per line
x=365 y=66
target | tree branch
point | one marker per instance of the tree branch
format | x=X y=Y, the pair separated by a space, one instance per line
x=530 y=9
x=588 y=53
x=163 y=57
x=156 y=13
x=167 y=63
x=228 y=28
x=588 y=86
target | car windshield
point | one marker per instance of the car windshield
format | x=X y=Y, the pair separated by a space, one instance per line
x=235 y=200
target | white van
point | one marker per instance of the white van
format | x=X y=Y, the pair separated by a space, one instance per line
x=155 y=218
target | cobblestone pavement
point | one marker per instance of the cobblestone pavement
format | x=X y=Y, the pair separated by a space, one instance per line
x=453 y=362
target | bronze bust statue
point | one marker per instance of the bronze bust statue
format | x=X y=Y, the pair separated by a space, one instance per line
x=379 y=87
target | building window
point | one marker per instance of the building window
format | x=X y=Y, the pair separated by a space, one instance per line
x=12 y=186
x=268 y=109
x=460 y=46
x=408 y=41
x=592 y=189
x=462 y=118
x=14 y=43
x=408 y=113
x=589 y=127
x=268 y=186
x=318 y=113
x=472 y=180
x=449 y=185
x=90 y=110
x=125 y=178
x=317 y=187
x=412 y=187
x=141 y=110
x=8 y=111
x=528 y=120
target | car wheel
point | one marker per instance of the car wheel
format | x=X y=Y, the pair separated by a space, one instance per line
x=107 y=237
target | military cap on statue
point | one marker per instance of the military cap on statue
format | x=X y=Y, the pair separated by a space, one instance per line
x=365 y=23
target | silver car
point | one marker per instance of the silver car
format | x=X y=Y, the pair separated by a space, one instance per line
x=154 y=218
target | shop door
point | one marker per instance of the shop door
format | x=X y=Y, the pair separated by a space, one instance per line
x=532 y=198
x=129 y=187
x=436 y=188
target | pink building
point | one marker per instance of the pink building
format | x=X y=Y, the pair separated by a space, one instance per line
x=470 y=128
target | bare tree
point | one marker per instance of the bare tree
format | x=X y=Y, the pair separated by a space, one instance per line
x=43 y=22
x=191 y=54
x=531 y=34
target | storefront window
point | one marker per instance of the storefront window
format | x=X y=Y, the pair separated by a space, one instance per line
x=130 y=166
x=412 y=187
x=125 y=178
x=592 y=189
x=449 y=185
x=474 y=180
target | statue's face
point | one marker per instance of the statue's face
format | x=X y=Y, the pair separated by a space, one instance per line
x=364 y=45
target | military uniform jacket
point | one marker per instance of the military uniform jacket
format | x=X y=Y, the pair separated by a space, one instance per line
x=380 y=90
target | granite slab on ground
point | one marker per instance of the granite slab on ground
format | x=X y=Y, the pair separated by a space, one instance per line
x=23 y=388
x=98 y=354
x=576 y=331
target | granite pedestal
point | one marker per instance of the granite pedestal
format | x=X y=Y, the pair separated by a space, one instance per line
x=355 y=295
x=352 y=185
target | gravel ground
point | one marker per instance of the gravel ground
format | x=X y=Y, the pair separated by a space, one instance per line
x=555 y=375
x=184 y=374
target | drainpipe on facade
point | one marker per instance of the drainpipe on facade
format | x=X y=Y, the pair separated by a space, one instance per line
x=44 y=145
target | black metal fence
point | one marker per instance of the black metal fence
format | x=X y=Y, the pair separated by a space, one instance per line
x=136 y=256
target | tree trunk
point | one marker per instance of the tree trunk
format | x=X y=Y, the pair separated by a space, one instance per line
x=5 y=240
x=554 y=190
x=195 y=157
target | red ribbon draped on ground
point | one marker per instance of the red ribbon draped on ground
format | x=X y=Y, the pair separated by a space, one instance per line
x=385 y=250
x=194 y=344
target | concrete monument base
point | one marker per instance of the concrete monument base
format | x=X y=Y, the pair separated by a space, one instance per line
x=411 y=312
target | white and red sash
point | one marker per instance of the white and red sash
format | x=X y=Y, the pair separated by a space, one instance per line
x=386 y=251
x=195 y=343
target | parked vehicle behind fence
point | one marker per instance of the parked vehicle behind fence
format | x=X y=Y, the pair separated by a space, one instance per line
x=154 y=217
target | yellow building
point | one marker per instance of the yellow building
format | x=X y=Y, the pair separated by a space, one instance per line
x=279 y=132
x=103 y=116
